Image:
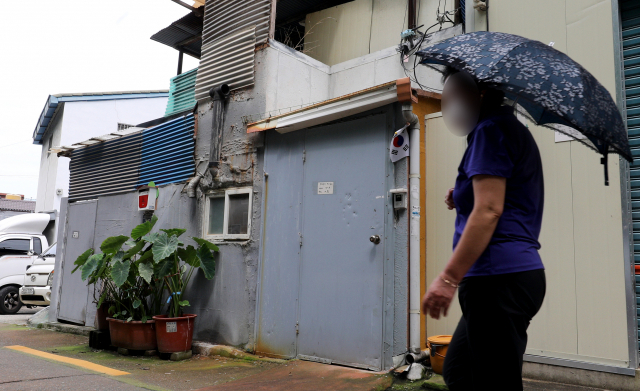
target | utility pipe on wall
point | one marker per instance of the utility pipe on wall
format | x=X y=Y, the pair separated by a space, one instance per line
x=414 y=227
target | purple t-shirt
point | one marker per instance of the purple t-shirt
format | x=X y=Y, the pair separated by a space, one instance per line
x=501 y=146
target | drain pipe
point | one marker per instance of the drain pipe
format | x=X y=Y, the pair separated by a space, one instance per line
x=219 y=95
x=414 y=226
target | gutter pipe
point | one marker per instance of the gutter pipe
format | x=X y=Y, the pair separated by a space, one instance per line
x=220 y=95
x=414 y=227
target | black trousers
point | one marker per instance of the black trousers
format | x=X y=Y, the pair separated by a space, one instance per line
x=488 y=345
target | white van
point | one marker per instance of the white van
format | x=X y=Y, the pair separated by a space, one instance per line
x=36 y=290
x=21 y=241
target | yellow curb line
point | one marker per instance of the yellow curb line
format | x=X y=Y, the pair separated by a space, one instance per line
x=72 y=361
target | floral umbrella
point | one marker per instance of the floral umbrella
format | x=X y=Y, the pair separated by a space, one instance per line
x=552 y=89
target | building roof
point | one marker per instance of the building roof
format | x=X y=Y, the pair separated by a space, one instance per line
x=51 y=107
x=185 y=34
x=17 y=205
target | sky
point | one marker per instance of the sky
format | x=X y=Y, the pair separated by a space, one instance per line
x=59 y=46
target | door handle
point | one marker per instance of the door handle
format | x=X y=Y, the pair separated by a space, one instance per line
x=375 y=239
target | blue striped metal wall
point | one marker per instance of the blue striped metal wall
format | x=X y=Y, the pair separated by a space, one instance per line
x=182 y=93
x=167 y=152
x=630 y=12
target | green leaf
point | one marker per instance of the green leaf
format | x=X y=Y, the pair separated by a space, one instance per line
x=174 y=231
x=146 y=271
x=164 y=268
x=91 y=265
x=112 y=244
x=134 y=250
x=144 y=318
x=152 y=237
x=129 y=319
x=164 y=246
x=144 y=228
x=207 y=262
x=100 y=268
x=189 y=256
x=111 y=310
x=203 y=242
x=130 y=243
x=82 y=259
x=123 y=313
x=120 y=272
x=136 y=303
x=146 y=255
x=184 y=303
x=118 y=257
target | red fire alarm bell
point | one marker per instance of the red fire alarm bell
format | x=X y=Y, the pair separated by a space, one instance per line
x=147 y=199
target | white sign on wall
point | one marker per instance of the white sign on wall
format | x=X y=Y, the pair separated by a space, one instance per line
x=325 y=187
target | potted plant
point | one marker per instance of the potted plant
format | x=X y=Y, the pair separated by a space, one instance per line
x=126 y=282
x=175 y=265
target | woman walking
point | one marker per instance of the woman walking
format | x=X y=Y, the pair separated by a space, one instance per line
x=498 y=197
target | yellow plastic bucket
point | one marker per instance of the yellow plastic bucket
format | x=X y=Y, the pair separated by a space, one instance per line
x=438 y=345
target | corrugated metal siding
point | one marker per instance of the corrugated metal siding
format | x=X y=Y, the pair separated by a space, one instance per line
x=228 y=60
x=182 y=94
x=167 y=152
x=631 y=52
x=223 y=17
x=105 y=168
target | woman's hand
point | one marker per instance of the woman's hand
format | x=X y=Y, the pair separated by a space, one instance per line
x=438 y=298
x=448 y=199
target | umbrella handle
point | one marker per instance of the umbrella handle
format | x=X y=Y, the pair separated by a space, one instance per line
x=604 y=160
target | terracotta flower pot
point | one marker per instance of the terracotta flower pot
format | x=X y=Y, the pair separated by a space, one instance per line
x=101 y=317
x=174 y=334
x=133 y=335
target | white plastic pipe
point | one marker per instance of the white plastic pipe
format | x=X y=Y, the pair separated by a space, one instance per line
x=414 y=226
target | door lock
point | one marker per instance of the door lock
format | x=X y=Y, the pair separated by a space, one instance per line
x=375 y=239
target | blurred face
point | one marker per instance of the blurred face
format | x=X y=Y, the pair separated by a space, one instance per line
x=460 y=103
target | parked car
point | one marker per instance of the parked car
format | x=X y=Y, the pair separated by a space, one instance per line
x=36 y=290
x=21 y=241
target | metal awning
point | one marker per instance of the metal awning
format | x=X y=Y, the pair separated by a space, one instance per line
x=289 y=120
x=185 y=34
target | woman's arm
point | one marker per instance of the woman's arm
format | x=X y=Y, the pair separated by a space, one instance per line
x=489 y=192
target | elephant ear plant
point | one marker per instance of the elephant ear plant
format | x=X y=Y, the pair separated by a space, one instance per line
x=175 y=265
x=133 y=279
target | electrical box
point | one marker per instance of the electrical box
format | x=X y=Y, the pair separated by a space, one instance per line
x=399 y=198
x=147 y=199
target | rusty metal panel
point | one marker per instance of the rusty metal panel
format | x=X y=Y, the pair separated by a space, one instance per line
x=228 y=60
x=223 y=17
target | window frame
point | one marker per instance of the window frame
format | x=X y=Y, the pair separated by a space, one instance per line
x=225 y=221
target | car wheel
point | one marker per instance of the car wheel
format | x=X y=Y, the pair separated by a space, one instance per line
x=9 y=300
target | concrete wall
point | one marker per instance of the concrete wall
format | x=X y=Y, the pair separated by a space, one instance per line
x=46 y=196
x=296 y=79
x=362 y=27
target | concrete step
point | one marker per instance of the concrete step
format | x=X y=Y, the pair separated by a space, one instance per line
x=535 y=385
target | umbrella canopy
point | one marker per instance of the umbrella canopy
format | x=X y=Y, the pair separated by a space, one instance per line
x=554 y=90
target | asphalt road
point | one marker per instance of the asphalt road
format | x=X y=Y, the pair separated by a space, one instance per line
x=24 y=372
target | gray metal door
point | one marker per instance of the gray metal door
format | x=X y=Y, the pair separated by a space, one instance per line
x=74 y=293
x=341 y=276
